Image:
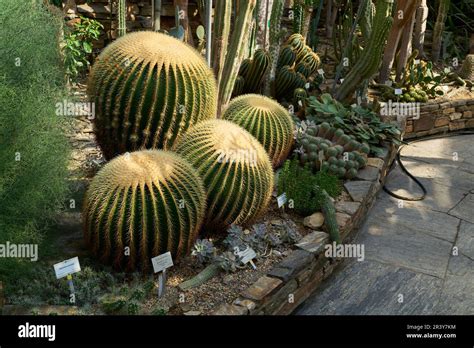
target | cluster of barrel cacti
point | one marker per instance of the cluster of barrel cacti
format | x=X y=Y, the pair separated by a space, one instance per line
x=267 y=121
x=154 y=95
x=296 y=65
x=251 y=73
x=327 y=148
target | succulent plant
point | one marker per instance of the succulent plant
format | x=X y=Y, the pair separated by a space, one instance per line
x=148 y=89
x=235 y=168
x=267 y=121
x=150 y=201
x=203 y=251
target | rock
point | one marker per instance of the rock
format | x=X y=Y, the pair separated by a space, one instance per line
x=250 y=305
x=192 y=313
x=314 y=242
x=261 y=288
x=228 y=309
x=375 y=162
x=368 y=174
x=342 y=219
x=347 y=207
x=358 y=190
x=314 y=221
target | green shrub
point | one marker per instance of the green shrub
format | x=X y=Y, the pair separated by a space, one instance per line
x=305 y=188
x=33 y=148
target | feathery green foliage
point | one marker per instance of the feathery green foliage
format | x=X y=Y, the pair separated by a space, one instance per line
x=148 y=89
x=150 y=201
x=33 y=148
x=235 y=168
x=267 y=121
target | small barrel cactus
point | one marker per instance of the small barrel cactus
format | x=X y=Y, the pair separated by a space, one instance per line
x=140 y=205
x=149 y=88
x=267 y=121
x=235 y=168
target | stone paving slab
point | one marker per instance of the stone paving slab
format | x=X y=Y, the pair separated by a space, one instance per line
x=372 y=288
x=465 y=241
x=465 y=209
x=407 y=247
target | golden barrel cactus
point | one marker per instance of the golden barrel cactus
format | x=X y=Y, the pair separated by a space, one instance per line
x=148 y=89
x=235 y=168
x=140 y=205
x=267 y=121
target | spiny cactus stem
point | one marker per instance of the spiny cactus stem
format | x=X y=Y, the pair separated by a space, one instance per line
x=348 y=45
x=122 y=22
x=439 y=28
x=236 y=52
x=275 y=37
x=206 y=274
x=222 y=19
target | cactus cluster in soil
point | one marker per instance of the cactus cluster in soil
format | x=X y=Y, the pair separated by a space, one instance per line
x=269 y=122
x=296 y=65
x=329 y=149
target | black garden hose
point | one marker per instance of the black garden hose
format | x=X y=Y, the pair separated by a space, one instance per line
x=400 y=163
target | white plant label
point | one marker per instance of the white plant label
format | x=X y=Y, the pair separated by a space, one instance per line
x=416 y=61
x=247 y=256
x=162 y=262
x=67 y=267
x=282 y=199
x=398 y=91
x=321 y=72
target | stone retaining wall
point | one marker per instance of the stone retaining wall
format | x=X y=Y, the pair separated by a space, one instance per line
x=293 y=280
x=441 y=116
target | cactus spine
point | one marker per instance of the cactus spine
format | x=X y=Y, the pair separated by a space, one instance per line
x=150 y=201
x=236 y=51
x=235 y=168
x=443 y=9
x=370 y=59
x=149 y=88
x=267 y=121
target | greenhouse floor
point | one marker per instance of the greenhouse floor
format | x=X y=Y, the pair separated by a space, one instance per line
x=419 y=256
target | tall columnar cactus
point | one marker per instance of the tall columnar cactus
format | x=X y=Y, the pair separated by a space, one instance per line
x=140 y=205
x=122 y=15
x=275 y=37
x=438 y=29
x=220 y=40
x=149 y=88
x=235 y=168
x=366 y=18
x=371 y=57
x=267 y=121
x=235 y=52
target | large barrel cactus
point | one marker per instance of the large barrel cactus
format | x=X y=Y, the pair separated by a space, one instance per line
x=142 y=204
x=267 y=121
x=148 y=89
x=235 y=168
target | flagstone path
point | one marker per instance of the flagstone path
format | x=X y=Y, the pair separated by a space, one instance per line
x=419 y=256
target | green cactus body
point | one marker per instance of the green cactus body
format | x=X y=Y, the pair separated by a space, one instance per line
x=235 y=168
x=287 y=57
x=285 y=81
x=259 y=66
x=329 y=211
x=122 y=17
x=239 y=86
x=244 y=67
x=367 y=18
x=149 y=88
x=467 y=69
x=150 y=201
x=303 y=69
x=371 y=57
x=299 y=95
x=297 y=42
x=298 y=18
x=267 y=121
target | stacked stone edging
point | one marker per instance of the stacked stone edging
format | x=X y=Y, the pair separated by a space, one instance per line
x=290 y=282
x=441 y=116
